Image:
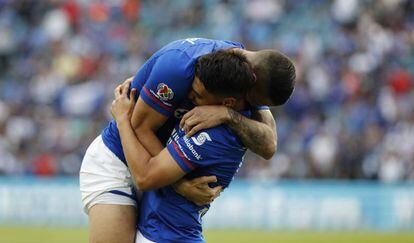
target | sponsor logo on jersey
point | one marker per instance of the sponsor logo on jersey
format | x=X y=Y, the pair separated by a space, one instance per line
x=176 y=138
x=191 y=148
x=201 y=138
x=164 y=92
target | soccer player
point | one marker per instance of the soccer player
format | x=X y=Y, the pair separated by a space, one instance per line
x=163 y=83
x=164 y=215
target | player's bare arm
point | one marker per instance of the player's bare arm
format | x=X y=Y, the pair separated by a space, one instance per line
x=145 y=122
x=257 y=134
x=148 y=172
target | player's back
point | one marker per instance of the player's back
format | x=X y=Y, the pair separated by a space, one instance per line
x=165 y=216
x=163 y=83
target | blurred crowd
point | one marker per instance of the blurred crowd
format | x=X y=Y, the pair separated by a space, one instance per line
x=351 y=115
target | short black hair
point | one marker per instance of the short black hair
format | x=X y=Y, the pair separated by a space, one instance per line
x=278 y=73
x=225 y=72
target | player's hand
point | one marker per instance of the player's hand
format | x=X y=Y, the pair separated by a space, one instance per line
x=203 y=117
x=122 y=106
x=197 y=190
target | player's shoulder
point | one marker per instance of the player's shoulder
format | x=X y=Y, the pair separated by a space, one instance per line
x=183 y=45
x=173 y=63
x=177 y=59
x=194 y=47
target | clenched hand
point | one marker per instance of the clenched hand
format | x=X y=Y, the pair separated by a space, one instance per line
x=123 y=106
x=197 y=190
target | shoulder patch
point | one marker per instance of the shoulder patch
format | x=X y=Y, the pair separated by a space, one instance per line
x=164 y=92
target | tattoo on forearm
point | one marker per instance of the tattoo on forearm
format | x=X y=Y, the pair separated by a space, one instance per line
x=235 y=117
x=250 y=134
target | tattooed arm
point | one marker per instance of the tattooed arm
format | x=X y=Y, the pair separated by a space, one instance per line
x=259 y=134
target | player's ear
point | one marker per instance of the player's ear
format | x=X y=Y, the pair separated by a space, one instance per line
x=229 y=102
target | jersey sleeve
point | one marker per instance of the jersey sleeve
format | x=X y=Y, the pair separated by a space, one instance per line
x=203 y=149
x=169 y=82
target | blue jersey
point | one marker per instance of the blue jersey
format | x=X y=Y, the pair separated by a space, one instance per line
x=164 y=82
x=165 y=216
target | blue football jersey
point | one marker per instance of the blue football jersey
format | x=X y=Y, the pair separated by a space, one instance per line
x=166 y=216
x=164 y=82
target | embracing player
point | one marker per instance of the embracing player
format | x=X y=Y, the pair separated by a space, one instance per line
x=164 y=215
x=164 y=83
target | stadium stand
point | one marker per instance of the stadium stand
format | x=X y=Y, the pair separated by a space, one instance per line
x=351 y=115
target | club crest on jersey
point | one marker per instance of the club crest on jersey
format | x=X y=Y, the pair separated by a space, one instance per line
x=164 y=92
x=201 y=138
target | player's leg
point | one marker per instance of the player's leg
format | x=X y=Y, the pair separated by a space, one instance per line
x=112 y=223
x=107 y=195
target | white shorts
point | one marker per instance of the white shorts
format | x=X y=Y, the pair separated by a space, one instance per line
x=104 y=178
x=141 y=239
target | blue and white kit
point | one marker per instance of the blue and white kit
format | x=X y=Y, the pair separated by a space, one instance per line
x=163 y=83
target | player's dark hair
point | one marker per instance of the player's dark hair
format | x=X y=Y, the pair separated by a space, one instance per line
x=225 y=72
x=278 y=74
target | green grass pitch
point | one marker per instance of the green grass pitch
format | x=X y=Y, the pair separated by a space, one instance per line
x=63 y=235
